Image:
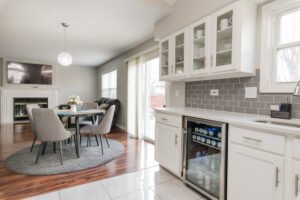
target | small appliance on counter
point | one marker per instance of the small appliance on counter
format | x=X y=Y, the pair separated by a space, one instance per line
x=282 y=111
x=205 y=157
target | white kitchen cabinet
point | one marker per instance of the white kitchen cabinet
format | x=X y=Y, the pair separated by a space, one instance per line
x=254 y=174
x=200 y=53
x=233 y=42
x=221 y=45
x=168 y=143
x=174 y=55
x=165 y=57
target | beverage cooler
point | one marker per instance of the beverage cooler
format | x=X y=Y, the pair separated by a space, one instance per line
x=205 y=157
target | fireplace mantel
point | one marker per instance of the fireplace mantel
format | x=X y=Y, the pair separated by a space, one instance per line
x=8 y=95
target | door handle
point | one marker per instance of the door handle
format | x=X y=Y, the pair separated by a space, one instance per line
x=277 y=178
x=296 y=185
x=253 y=139
x=176 y=139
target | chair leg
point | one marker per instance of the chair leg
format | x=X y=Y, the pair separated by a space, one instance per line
x=39 y=152
x=106 y=140
x=44 y=148
x=54 y=147
x=97 y=140
x=87 y=141
x=33 y=143
x=101 y=144
x=80 y=139
x=60 y=151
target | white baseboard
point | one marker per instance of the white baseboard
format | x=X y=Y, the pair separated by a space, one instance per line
x=121 y=127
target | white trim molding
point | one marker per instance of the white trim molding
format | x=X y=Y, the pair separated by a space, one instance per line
x=8 y=95
x=149 y=50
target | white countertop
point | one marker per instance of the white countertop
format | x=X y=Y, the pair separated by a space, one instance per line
x=240 y=119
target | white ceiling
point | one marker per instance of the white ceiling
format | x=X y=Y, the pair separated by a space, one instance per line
x=100 y=29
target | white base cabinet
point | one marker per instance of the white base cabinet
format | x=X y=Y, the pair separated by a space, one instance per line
x=168 y=142
x=254 y=174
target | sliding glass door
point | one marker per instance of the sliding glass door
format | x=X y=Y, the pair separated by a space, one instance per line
x=152 y=95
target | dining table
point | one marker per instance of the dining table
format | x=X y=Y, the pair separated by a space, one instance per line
x=78 y=114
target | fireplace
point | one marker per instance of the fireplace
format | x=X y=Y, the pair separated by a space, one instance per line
x=19 y=107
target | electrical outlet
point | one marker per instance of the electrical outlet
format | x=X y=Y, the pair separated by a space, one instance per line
x=214 y=92
x=250 y=92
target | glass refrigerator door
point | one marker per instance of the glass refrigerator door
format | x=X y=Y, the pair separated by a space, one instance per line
x=203 y=157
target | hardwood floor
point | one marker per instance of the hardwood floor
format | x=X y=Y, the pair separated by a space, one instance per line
x=138 y=155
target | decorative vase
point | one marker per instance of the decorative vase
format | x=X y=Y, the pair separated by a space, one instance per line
x=73 y=108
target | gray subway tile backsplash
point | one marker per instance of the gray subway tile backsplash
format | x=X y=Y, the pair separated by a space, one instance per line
x=232 y=96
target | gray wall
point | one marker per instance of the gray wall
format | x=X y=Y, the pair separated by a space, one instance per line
x=80 y=81
x=119 y=64
x=232 y=96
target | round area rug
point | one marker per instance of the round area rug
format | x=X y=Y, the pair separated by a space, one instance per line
x=24 y=161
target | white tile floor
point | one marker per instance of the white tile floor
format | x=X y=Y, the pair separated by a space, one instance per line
x=149 y=184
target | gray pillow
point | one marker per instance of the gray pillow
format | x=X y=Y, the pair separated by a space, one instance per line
x=103 y=106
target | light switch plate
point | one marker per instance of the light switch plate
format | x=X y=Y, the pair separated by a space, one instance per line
x=214 y=92
x=250 y=92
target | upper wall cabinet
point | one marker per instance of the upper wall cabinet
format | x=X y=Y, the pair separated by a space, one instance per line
x=174 y=55
x=200 y=47
x=221 y=45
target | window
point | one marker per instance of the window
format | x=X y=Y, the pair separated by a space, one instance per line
x=280 y=42
x=109 y=84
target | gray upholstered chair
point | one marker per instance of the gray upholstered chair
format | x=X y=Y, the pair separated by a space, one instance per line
x=49 y=128
x=29 y=108
x=101 y=129
x=88 y=120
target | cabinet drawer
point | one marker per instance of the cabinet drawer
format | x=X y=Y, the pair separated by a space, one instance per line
x=257 y=140
x=171 y=120
x=296 y=148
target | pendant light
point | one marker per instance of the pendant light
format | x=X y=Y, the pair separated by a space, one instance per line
x=65 y=58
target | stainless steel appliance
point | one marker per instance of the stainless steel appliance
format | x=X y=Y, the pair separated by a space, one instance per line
x=205 y=157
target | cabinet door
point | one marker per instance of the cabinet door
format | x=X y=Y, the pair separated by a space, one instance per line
x=165 y=58
x=296 y=179
x=254 y=174
x=200 y=32
x=224 y=39
x=168 y=147
x=179 y=53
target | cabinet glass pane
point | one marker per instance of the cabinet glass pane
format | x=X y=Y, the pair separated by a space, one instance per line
x=164 y=58
x=179 y=54
x=199 y=47
x=224 y=39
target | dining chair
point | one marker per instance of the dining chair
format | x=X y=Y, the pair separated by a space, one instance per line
x=29 y=108
x=103 y=128
x=49 y=129
x=88 y=120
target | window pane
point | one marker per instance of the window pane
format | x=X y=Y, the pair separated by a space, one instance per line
x=105 y=93
x=109 y=84
x=288 y=64
x=105 y=81
x=290 y=27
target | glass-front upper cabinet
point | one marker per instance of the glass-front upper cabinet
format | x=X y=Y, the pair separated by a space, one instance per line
x=224 y=29
x=165 y=58
x=200 y=46
x=179 y=59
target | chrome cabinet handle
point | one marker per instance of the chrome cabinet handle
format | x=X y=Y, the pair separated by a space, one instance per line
x=296 y=185
x=163 y=119
x=176 y=139
x=253 y=139
x=277 y=178
x=212 y=60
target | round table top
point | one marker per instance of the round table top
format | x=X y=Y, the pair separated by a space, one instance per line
x=79 y=113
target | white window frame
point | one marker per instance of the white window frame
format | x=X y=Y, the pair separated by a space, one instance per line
x=269 y=44
x=110 y=88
